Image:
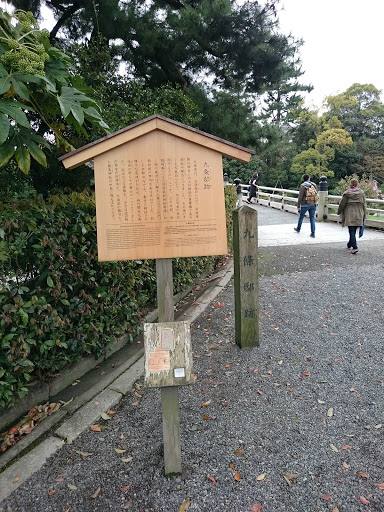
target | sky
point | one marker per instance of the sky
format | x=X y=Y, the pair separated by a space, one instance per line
x=343 y=43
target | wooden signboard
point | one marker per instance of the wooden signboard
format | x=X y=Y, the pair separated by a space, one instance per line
x=160 y=195
x=159 y=191
x=159 y=198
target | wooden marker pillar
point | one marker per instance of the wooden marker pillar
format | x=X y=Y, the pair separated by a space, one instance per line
x=169 y=394
x=246 y=279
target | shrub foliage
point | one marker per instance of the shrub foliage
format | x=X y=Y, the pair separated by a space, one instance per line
x=57 y=302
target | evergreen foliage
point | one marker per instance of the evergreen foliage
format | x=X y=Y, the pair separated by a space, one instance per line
x=57 y=302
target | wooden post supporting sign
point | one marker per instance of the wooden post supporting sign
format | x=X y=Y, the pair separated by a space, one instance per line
x=169 y=394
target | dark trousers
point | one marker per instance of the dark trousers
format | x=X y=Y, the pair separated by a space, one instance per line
x=352 y=237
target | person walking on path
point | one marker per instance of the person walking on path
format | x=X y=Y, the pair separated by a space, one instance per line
x=306 y=202
x=353 y=211
x=252 y=187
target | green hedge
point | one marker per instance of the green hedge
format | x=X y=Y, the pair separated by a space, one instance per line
x=57 y=302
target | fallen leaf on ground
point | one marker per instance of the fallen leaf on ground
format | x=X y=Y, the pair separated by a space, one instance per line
x=345 y=465
x=83 y=454
x=212 y=480
x=127 y=505
x=330 y=412
x=255 y=507
x=72 y=487
x=326 y=497
x=16 y=479
x=334 y=448
x=52 y=492
x=125 y=489
x=95 y=428
x=289 y=476
x=363 y=475
x=335 y=509
x=117 y=450
x=261 y=477
x=184 y=506
x=96 y=493
x=105 y=416
x=128 y=459
x=364 y=501
x=205 y=404
x=239 y=452
x=237 y=476
x=135 y=403
x=206 y=417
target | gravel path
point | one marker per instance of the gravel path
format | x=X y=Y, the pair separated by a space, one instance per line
x=295 y=425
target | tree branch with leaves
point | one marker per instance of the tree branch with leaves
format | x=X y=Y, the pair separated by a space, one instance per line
x=40 y=99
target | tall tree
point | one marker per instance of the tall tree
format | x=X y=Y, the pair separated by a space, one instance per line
x=361 y=112
x=359 y=109
x=176 y=41
x=315 y=160
x=283 y=100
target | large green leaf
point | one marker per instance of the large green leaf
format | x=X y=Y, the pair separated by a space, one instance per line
x=5 y=84
x=71 y=98
x=20 y=88
x=14 y=109
x=78 y=114
x=4 y=128
x=23 y=158
x=92 y=114
x=27 y=78
x=17 y=80
x=22 y=144
x=7 y=150
x=37 y=153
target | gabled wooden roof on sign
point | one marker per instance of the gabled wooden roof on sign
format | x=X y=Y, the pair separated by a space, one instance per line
x=163 y=124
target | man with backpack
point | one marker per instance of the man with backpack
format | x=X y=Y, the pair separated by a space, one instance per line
x=308 y=198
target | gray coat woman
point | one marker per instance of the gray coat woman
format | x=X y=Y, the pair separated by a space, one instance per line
x=353 y=210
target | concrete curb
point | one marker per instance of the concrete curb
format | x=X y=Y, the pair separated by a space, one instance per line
x=19 y=472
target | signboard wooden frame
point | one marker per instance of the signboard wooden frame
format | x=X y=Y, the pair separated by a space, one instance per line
x=159 y=191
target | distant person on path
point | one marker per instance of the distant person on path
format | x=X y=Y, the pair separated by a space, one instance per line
x=252 y=187
x=353 y=210
x=306 y=202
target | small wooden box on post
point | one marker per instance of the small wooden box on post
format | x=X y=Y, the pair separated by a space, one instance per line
x=159 y=195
